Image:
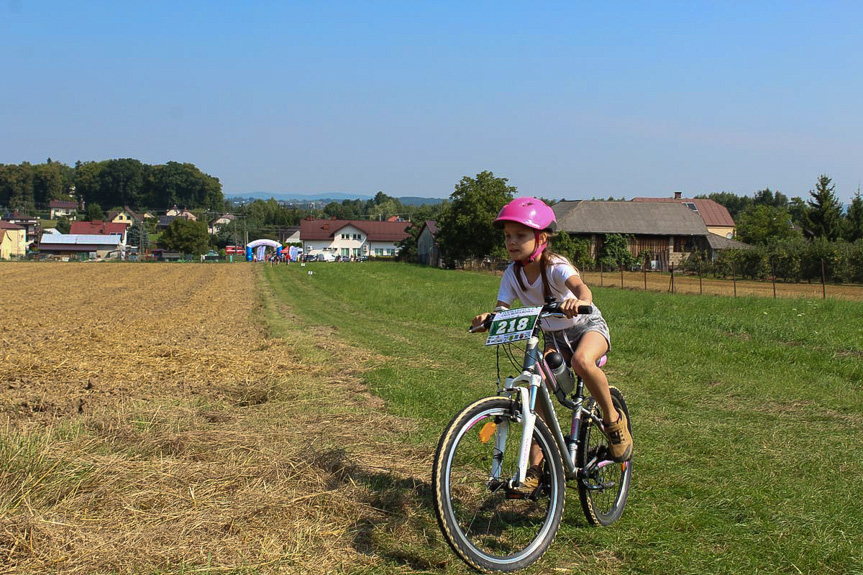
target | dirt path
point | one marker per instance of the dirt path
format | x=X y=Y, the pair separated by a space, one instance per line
x=151 y=425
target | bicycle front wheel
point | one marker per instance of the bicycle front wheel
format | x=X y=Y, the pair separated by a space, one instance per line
x=605 y=487
x=489 y=524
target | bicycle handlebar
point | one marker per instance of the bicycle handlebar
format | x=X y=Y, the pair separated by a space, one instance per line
x=550 y=309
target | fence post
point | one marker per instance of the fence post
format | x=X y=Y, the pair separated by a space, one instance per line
x=734 y=277
x=773 y=277
x=823 y=281
x=621 y=277
x=700 y=286
x=671 y=269
x=644 y=269
x=601 y=284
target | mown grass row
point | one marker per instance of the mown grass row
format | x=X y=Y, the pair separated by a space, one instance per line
x=747 y=412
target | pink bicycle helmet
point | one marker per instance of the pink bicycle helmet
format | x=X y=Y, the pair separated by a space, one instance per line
x=534 y=214
x=531 y=212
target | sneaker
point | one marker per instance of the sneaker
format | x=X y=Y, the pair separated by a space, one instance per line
x=529 y=485
x=619 y=439
x=531 y=479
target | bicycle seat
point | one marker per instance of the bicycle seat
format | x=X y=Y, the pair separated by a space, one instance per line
x=601 y=361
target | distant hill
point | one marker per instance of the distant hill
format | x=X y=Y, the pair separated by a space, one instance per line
x=326 y=198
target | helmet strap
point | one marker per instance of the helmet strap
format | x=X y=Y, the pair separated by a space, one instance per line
x=540 y=247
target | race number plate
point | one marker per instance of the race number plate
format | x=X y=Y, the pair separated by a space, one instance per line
x=512 y=325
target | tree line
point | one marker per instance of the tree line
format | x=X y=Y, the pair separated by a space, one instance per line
x=27 y=187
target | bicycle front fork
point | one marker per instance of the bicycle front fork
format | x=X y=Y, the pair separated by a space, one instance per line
x=527 y=400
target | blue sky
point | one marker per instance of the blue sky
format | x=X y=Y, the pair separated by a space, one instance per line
x=565 y=99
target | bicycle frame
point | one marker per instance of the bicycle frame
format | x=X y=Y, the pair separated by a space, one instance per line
x=529 y=388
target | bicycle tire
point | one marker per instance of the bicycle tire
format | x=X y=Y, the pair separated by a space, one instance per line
x=603 y=492
x=485 y=526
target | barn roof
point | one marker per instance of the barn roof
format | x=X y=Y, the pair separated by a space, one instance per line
x=80 y=239
x=713 y=213
x=638 y=218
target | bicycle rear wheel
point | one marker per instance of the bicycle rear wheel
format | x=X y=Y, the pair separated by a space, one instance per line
x=603 y=490
x=491 y=526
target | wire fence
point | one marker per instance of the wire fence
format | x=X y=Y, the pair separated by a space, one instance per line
x=697 y=282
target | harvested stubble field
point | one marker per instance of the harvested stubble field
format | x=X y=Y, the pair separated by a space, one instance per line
x=151 y=425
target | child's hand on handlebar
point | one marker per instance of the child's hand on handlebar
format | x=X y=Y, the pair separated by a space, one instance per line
x=569 y=307
x=477 y=322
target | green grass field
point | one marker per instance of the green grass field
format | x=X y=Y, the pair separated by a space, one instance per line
x=746 y=413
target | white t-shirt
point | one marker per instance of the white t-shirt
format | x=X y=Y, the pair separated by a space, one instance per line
x=557 y=273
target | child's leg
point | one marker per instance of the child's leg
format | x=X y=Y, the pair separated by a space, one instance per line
x=535 y=451
x=590 y=348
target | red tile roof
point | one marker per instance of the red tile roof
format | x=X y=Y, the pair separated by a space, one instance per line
x=376 y=231
x=97 y=227
x=712 y=213
x=8 y=226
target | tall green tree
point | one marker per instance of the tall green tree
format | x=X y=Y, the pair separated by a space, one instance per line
x=94 y=212
x=16 y=187
x=49 y=182
x=465 y=226
x=768 y=197
x=138 y=236
x=825 y=210
x=121 y=183
x=853 y=228
x=760 y=224
x=88 y=181
x=64 y=226
x=186 y=237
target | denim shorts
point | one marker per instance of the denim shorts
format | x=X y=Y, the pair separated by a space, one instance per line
x=570 y=336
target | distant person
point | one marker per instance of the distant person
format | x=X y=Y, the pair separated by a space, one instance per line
x=536 y=274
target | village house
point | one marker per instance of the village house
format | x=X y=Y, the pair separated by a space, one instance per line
x=31 y=225
x=127 y=216
x=351 y=238
x=667 y=232
x=428 y=252
x=13 y=241
x=172 y=214
x=219 y=223
x=63 y=208
x=290 y=235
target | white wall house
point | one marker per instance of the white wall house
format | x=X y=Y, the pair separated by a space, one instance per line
x=351 y=238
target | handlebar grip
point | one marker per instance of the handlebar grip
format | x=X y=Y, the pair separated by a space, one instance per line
x=483 y=326
x=584 y=309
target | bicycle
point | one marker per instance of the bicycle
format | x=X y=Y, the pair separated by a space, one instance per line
x=478 y=468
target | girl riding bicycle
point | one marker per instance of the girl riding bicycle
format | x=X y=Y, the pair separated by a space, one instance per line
x=537 y=274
